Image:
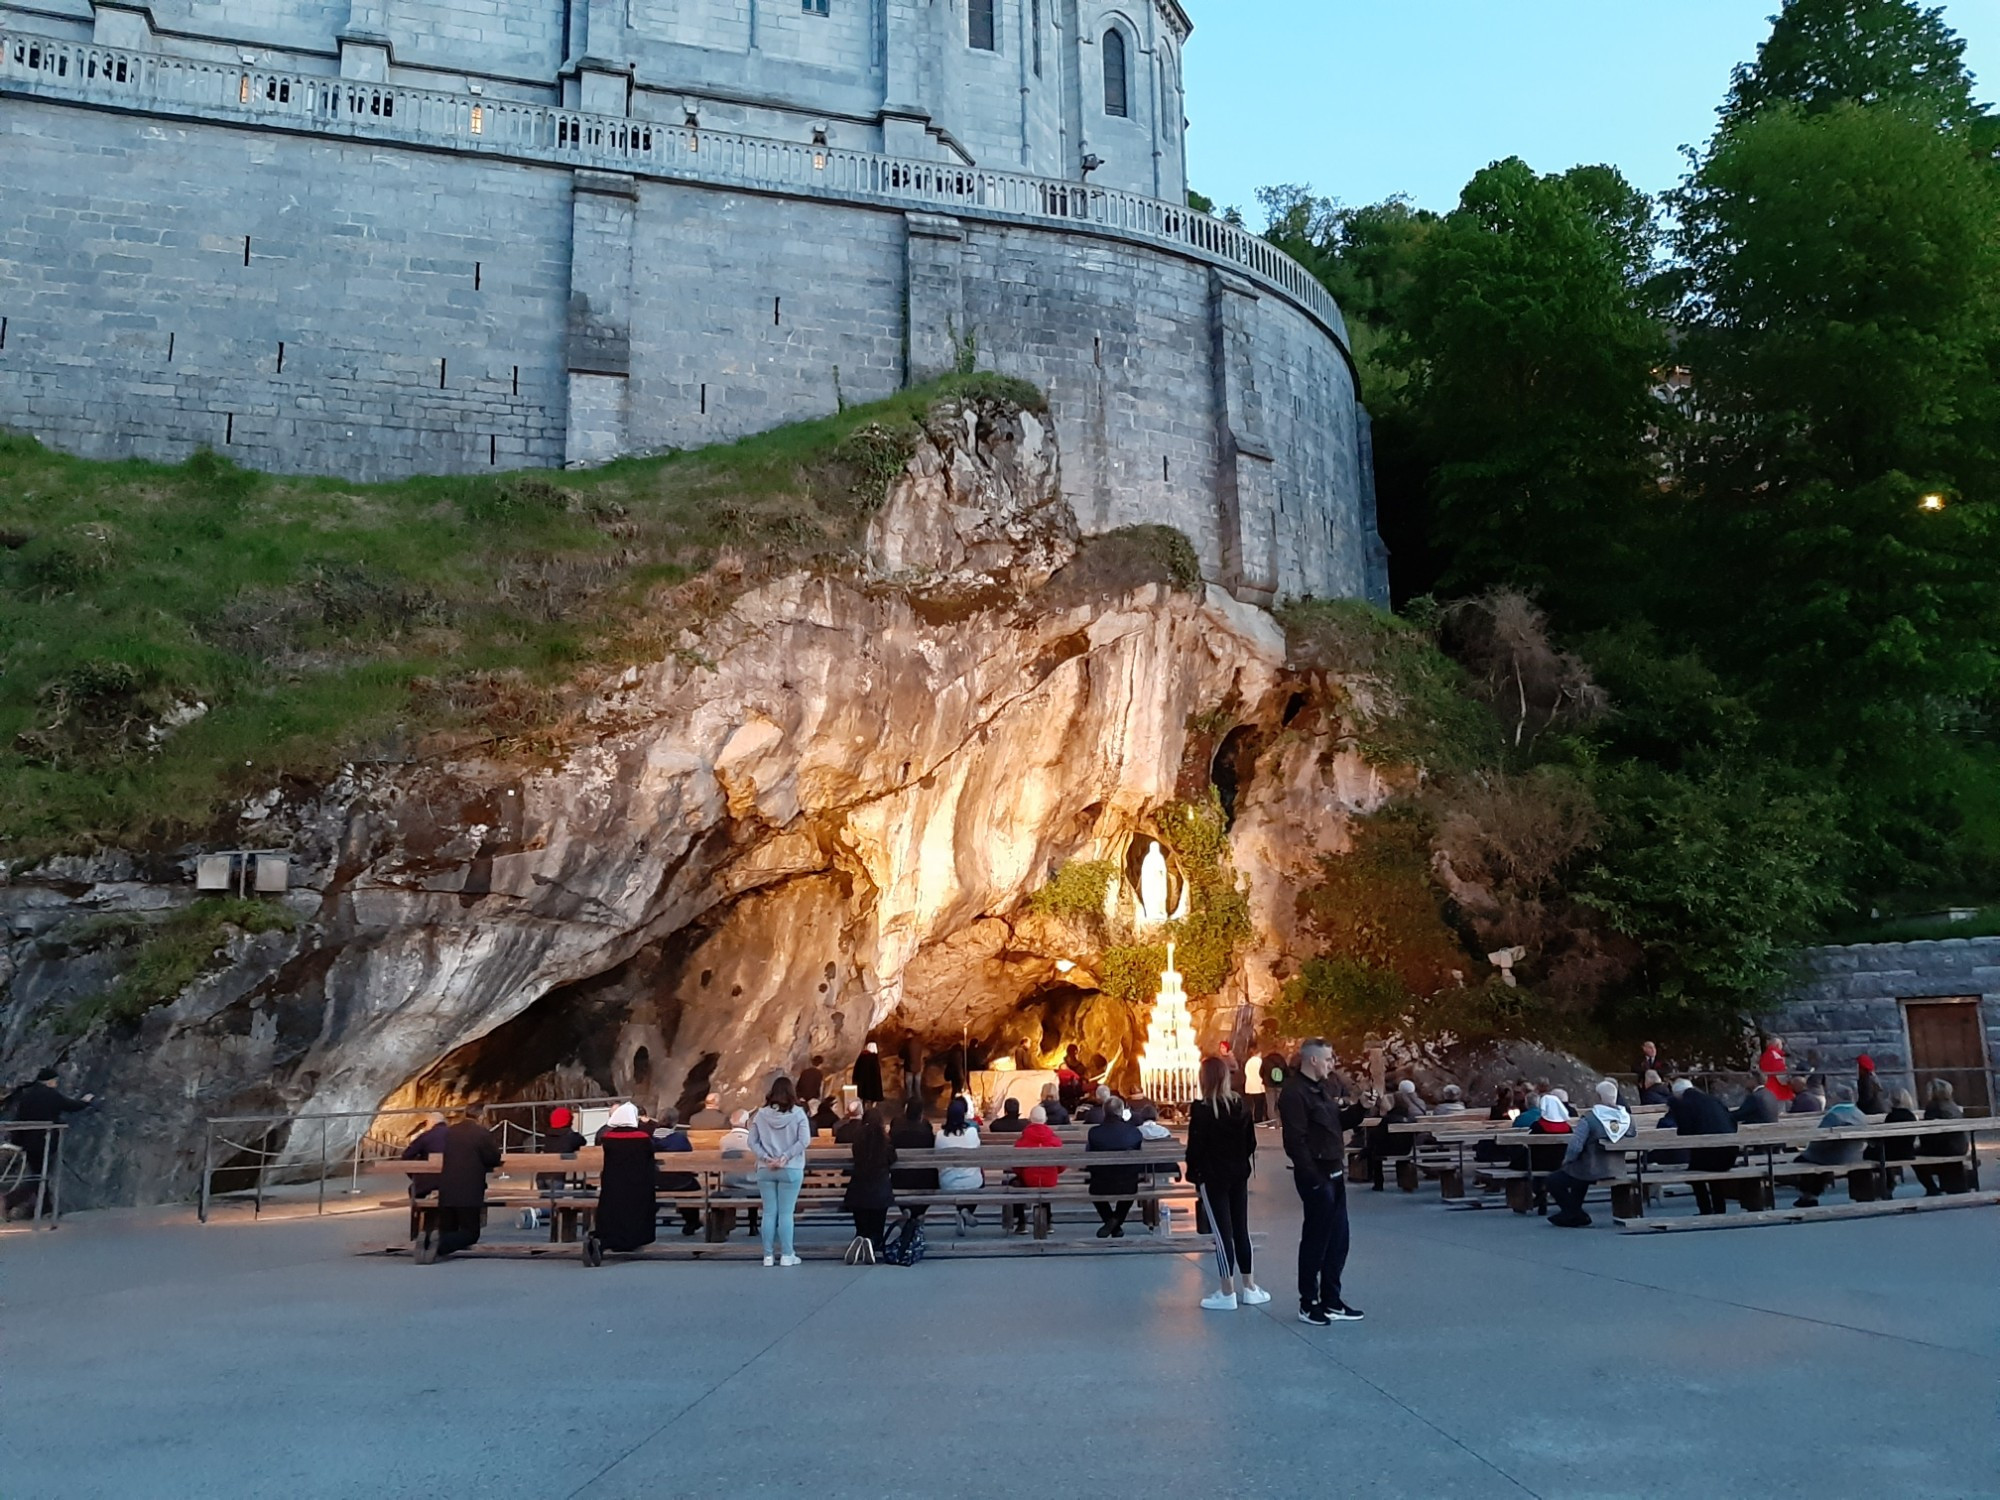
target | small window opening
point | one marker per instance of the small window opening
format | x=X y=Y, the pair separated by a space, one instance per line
x=3 y=333
x=246 y=249
x=229 y=427
x=1117 y=98
x=776 y=304
x=1035 y=33
x=170 y=348
x=1164 y=475
x=281 y=356
x=1097 y=351
x=492 y=448
x=478 y=270
x=704 y=400
x=478 y=119
x=517 y=380
x=642 y=1060
x=814 y=7
x=243 y=90
x=441 y=365
x=981 y=28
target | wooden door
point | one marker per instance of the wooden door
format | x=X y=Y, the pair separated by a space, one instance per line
x=1947 y=1040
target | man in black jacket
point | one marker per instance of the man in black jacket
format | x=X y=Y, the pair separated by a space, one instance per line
x=868 y=1075
x=1315 y=1133
x=39 y=1103
x=1116 y=1133
x=1697 y=1112
x=470 y=1152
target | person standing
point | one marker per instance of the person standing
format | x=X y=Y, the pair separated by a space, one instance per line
x=868 y=1075
x=779 y=1134
x=1315 y=1128
x=812 y=1081
x=1868 y=1097
x=1221 y=1154
x=1253 y=1089
x=39 y=1103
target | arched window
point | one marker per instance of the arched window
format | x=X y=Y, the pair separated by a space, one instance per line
x=1035 y=32
x=980 y=29
x=1117 y=98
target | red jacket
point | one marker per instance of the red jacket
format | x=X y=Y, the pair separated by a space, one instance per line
x=1037 y=1136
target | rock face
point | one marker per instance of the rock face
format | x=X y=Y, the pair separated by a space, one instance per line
x=827 y=821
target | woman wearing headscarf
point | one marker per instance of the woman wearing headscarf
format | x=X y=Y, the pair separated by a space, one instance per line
x=869 y=1196
x=1950 y=1177
x=1221 y=1154
x=626 y=1207
x=1551 y=1118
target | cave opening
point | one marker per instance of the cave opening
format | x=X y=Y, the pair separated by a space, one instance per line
x=1229 y=772
x=1032 y=1032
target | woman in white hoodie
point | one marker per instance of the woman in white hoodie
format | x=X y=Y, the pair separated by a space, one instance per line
x=779 y=1133
x=960 y=1134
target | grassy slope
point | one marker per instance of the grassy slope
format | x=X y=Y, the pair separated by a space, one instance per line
x=314 y=619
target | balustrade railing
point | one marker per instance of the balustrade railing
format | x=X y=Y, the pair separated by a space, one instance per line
x=166 y=84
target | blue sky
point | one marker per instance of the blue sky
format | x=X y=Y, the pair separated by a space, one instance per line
x=1365 y=98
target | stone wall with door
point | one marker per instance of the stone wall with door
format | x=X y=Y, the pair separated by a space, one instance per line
x=1920 y=1010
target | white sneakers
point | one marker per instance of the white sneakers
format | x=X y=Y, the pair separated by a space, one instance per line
x=770 y=1260
x=1250 y=1296
x=788 y=1260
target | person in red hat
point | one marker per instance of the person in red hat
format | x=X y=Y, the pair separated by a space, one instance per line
x=1772 y=1065
x=1868 y=1096
x=563 y=1138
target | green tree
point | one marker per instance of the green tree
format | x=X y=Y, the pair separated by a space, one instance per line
x=1842 y=335
x=1532 y=340
x=1824 y=53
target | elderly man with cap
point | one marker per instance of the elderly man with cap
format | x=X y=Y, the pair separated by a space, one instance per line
x=1315 y=1125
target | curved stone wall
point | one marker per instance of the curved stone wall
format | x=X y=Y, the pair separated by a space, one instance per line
x=341 y=277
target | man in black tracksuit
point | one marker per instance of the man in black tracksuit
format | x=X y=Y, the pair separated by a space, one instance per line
x=39 y=1103
x=1315 y=1133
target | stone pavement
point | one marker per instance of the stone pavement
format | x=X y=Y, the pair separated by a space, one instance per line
x=145 y=1355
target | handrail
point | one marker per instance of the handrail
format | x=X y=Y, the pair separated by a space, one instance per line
x=159 y=83
x=42 y=1166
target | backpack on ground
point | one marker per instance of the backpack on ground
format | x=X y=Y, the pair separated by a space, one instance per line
x=906 y=1246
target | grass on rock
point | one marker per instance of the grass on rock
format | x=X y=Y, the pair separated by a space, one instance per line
x=174 y=635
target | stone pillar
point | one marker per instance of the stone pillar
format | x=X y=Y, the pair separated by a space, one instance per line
x=935 y=302
x=602 y=210
x=126 y=26
x=1374 y=552
x=364 y=42
x=1246 y=482
x=909 y=34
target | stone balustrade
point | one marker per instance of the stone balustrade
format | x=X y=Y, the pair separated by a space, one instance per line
x=194 y=88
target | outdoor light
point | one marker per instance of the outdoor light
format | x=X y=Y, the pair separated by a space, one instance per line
x=1932 y=502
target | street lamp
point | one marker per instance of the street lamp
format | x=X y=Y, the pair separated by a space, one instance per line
x=1933 y=501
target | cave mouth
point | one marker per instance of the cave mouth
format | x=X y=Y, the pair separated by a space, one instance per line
x=1034 y=1032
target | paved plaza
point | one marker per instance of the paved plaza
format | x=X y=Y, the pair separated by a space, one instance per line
x=146 y=1355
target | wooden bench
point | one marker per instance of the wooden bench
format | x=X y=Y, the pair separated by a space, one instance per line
x=572 y=1203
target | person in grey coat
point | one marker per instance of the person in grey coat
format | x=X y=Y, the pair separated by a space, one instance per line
x=1842 y=1116
x=1588 y=1160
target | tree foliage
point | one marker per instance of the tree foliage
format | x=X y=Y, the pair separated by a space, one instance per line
x=1825 y=53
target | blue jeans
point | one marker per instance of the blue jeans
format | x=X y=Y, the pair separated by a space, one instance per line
x=780 y=1191
x=1323 y=1241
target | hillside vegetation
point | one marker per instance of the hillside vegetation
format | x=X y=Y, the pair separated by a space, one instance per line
x=174 y=635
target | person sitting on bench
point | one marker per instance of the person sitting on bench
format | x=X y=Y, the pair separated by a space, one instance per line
x=1052 y=1106
x=626 y=1206
x=1010 y=1121
x=563 y=1139
x=669 y=1139
x=1762 y=1106
x=1942 y=1179
x=1698 y=1112
x=1587 y=1161
x=1903 y=1111
x=1117 y=1133
x=1035 y=1136
x=1845 y=1154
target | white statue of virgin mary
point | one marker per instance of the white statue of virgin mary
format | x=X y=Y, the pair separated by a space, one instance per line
x=1153 y=908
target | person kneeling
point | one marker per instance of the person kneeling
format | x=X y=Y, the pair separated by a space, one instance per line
x=1588 y=1159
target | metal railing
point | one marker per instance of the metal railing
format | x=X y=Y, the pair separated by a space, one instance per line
x=247 y=1155
x=31 y=1169
x=158 y=83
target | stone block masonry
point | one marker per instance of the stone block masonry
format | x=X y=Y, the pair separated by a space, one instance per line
x=372 y=280
x=1851 y=1000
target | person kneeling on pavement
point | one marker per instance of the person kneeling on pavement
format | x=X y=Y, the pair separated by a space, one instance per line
x=1587 y=1160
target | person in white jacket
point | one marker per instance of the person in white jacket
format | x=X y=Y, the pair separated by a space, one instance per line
x=960 y=1134
x=779 y=1133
